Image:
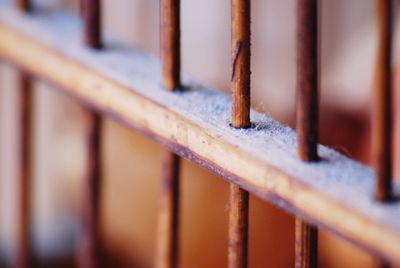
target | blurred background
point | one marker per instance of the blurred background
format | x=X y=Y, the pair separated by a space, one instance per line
x=132 y=163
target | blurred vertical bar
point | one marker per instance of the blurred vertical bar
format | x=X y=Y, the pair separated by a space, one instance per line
x=382 y=107
x=240 y=87
x=306 y=244
x=170 y=44
x=91 y=10
x=24 y=5
x=168 y=229
x=91 y=200
x=238 y=227
x=168 y=236
x=23 y=257
x=90 y=232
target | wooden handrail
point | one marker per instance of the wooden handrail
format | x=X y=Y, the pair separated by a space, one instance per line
x=335 y=194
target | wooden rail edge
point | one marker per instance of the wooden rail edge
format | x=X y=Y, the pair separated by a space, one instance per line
x=124 y=83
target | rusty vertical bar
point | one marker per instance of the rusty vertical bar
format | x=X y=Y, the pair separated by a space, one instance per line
x=240 y=87
x=307 y=79
x=379 y=263
x=306 y=244
x=382 y=107
x=238 y=227
x=168 y=244
x=170 y=43
x=91 y=10
x=23 y=5
x=240 y=49
x=23 y=257
x=90 y=234
x=168 y=228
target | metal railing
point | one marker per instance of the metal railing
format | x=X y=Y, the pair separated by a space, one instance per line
x=254 y=153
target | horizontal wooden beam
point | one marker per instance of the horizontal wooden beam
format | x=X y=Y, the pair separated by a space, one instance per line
x=335 y=194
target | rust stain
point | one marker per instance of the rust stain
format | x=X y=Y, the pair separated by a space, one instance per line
x=236 y=54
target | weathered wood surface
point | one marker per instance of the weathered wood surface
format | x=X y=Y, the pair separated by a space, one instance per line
x=335 y=194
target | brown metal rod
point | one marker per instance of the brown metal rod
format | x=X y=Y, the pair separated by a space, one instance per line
x=23 y=258
x=91 y=10
x=167 y=255
x=23 y=5
x=240 y=49
x=307 y=79
x=90 y=235
x=238 y=227
x=168 y=235
x=170 y=43
x=306 y=244
x=240 y=86
x=380 y=263
x=90 y=247
x=382 y=107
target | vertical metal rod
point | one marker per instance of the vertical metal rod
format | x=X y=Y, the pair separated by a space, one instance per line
x=380 y=263
x=168 y=229
x=240 y=49
x=382 y=107
x=306 y=244
x=23 y=5
x=168 y=236
x=240 y=86
x=170 y=43
x=307 y=79
x=23 y=258
x=90 y=236
x=90 y=232
x=91 y=10
x=238 y=227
